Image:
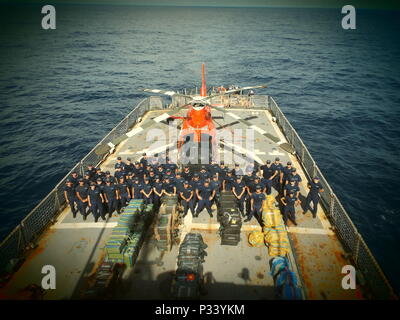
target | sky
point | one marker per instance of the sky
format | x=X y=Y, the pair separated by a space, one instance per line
x=388 y=4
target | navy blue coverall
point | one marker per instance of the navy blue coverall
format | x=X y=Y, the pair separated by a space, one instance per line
x=313 y=196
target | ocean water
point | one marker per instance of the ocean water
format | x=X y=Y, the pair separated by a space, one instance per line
x=62 y=90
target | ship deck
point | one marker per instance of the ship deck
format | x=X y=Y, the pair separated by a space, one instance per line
x=75 y=247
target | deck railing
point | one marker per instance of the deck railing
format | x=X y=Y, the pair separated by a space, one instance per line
x=361 y=255
x=45 y=213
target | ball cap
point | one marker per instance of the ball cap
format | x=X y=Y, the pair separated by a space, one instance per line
x=277 y=159
x=316 y=178
x=186 y=182
x=258 y=188
x=268 y=161
x=99 y=179
x=119 y=158
x=129 y=159
x=289 y=163
x=92 y=184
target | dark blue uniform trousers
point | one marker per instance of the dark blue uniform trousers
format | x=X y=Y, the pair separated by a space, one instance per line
x=72 y=202
x=315 y=200
x=256 y=212
x=188 y=205
x=97 y=210
x=289 y=213
x=82 y=208
x=268 y=184
x=204 y=203
x=112 y=205
x=124 y=199
x=240 y=204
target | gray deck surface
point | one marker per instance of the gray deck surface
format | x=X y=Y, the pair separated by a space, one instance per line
x=74 y=247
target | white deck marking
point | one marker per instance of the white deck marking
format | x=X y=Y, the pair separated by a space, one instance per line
x=258 y=129
x=162 y=117
x=310 y=231
x=243 y=150
x=169 y=93
x=233 y=115
x=134 y=131
x=85 y=225
x=158 y=150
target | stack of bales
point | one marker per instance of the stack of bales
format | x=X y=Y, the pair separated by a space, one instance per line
x=164 y=226
x=274 y=233
x=126 y=238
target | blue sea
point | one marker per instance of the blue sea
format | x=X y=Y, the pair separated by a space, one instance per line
x=62 y=90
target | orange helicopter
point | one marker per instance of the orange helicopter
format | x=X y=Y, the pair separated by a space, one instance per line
x=198 y=128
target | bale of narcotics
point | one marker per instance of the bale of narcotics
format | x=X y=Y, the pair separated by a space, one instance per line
x=269 y=203
x=256 y=238
x=271 y=218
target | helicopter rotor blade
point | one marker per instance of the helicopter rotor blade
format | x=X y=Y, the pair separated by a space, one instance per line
x=238 y=89
x=103 y=148
x=166 y=92
x=283 y=145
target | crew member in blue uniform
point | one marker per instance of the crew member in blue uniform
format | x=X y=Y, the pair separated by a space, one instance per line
x=110 y=194
x=278 y=178
x=294 y=175
x=169 y=188
x=108 y=176
x=287 y=173
x=187 y=197
x=129 y=166
x=160 y=172
x=228 y=181
x=91 y=171
x=291 y=187
x=70 y=196
x=179 y=181
x=119 y=164
x=147 y=191
x=170 y=175
x=96 y=200
x=237 y=171
x=123 y=193
x=257 y=201
x=196 y=184
x=139 y=171
x=144 y=160
x=222 y=171
x=289 y=210
x=82 y=196
x=87 y=178
x=239 y=190
x=214 y=169
x=157 y=191
x=119 y=173
x=268 y=175
x=99 y=174
x=313 y=196
x=204 y=174
x=216 y=185
x=137 y=189
x=74 y=178
x=248 y=180
x=187 y=174
x=205 y=195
